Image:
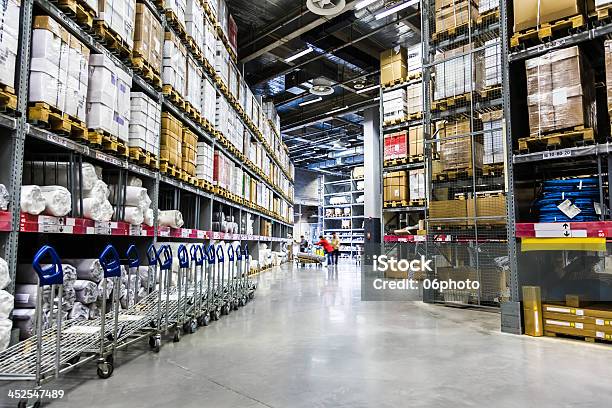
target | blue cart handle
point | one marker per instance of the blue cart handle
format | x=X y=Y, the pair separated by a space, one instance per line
x=211 y=254
x=52 y=273
x=231 y=252
x=197 y=256
x=132 y=256
x=183 y=256
x=166 y=264
x=238 y=252
x=152 y=255
x=204 y=253
x=246 y=250
x=109 y=260
x=220 y=254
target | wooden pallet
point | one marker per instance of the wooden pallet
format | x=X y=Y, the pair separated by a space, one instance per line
x=8 y=99
x=209 y=13
x=405 y=119
x=192 y=112
x=40 y=113
x=206 y=185
x=168 y=169
x=490 y=92
x=143 y=158
x=453 y=32
x=574 y=337
x=452 y=102
x=174 y=97
x=111 y=39
x=493 y=169
x=457 y=174
x=603 y=13
x=79 y=11
x=488 y=17
x=174 y=22
x=548 y=31
x=578 y=136
x=194 y=48
x=140 y=65
x=109 y=143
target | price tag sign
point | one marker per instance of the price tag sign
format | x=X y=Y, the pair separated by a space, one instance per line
x=185 y=233
x=556 y=154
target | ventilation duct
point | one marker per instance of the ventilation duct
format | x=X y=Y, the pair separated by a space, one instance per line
x=326 y=7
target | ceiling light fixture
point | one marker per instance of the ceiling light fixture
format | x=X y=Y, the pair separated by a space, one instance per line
x=396 y=9
x=299 y=54
x=338 y=110
x=319 y=99
x=364 y=3
x=368 y=89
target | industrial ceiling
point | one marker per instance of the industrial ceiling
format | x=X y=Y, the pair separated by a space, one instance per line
x=287 y=50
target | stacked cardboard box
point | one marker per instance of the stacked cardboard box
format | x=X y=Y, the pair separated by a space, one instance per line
x=414 y=60
x=457 y=72
x=246 y=186
x=59 y=67
x=393 y=65
x=451 y=14
x=108 y=97
x=194 y=22
x=237 y=180
x=560 y=92
x=396 y=186
x=222 y=170
x=145 y=123
x=395 y=105
x=223 y=16
x=171 y=150
x=493 y=137
x=487 y=5
x=574 y=319
x=454 y=212
x=534 y=13
x=414 y=99
x=177 y=7
x=415 y=141
x=265 y=228
x=119 y=16
x=209 y=100
x=491 y=208
x=194 y=84
x=210 y=42
x=148 y=37
x=416 y=181
x=189 y=148
x=222 y=63
x=234 y=81
x=459 y=150
x=204 y=162
x=222 y=116
x=9 y=40
x=174 y=63
x=396 y=145
x=492 y=63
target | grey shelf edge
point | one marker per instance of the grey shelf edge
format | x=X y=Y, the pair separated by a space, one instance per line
x=567 y=153
x=8 y=122
x=405 y=209
x=408 y=166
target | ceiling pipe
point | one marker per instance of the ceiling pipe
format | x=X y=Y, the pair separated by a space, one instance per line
x=301 y=12
x=335 y=49
x=325 y=116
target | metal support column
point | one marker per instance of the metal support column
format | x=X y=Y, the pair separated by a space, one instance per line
x=373 y=177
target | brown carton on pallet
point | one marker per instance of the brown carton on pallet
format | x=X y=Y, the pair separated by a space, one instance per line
x=189 y=151
x=393 y=65
x=171 y=140
x=453 y=210
x=415 y=141
x=396 y=186
x=456 y=14
x=458 y=150
x=148 y=34
x=535 y=13
x=532 y=310
x=560 y=92
x=491 y=208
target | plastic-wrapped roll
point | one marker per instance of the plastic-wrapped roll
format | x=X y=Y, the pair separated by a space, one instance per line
x=58 y=201
x=6 y=304
x=134 y=181
x=25 y=296
x=127 y=297
x=25 y=321
x=4 y=198
x=5 y=333
x=146 y=275
x=94 y=311
x=109 y=289
x=170 y=218
x=32 y=200
x=47 y=173
x=79 y=312
x=148 y=217
x=99 y=191
x=25 y=274
x=86 y=291
x=87 y=269
x=133 y=215
x=5 y=277
x=134 y=196
x=68 y=299
x=96 y=210
x=142 y=293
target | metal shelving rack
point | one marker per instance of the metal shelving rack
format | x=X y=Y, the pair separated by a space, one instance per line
x=466 y=239
x=334 y=186
x=78 y=237
x=591 y=160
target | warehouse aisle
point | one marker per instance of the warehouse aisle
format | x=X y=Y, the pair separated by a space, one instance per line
x=308 y=341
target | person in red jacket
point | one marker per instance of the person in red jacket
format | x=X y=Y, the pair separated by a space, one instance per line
x=329 y=249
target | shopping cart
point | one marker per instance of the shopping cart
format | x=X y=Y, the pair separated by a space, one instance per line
x=186 y=293
x=201 y=312
x=251 y=285
x=213 y=306
x=304 y=258
x=232 y=295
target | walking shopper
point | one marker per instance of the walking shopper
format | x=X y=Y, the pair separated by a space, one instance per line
x=329 y=249
x=335 y=242
x=303 y=244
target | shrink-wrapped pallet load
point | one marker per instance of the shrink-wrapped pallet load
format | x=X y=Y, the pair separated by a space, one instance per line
x=194 y=84
x=171 y=141
x=9 y=41
x=457 y=72
x=189 y=152
x=174 y=72
x=145 y=123
x=194 y=21
x=148 y=38
x=119 y=16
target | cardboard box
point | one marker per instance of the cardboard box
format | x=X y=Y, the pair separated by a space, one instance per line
x=415 y=141
x=396 y=145
x=531 y=13
x=532 y=310
x=174 y=71
x=457 y=71
x=457 y=14
x=493 y=136
x=416 y=181
x=148 y=37
x=453 y=210
x=560 y=92
x=572 y=300
x=492 y=208
x=396 y=186
x=393 y=65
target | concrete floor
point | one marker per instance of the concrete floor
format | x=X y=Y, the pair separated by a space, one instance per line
x=308 y=341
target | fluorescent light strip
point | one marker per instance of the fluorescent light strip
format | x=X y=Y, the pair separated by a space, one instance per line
x=319 y=99
x=299 y=54
x=396 y=9
x=364 y=4
x=338 y=110
x=368 y=89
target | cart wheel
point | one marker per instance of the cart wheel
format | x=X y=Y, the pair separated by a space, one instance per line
x=155 y=344
x=74 y=360
x=241 y=302
x=205 y=320
x=194 y=325
x=215 y=314
x=225 y=309
x=251 y=295
x=236 y=304
x=177 y=336
x=105 y=370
